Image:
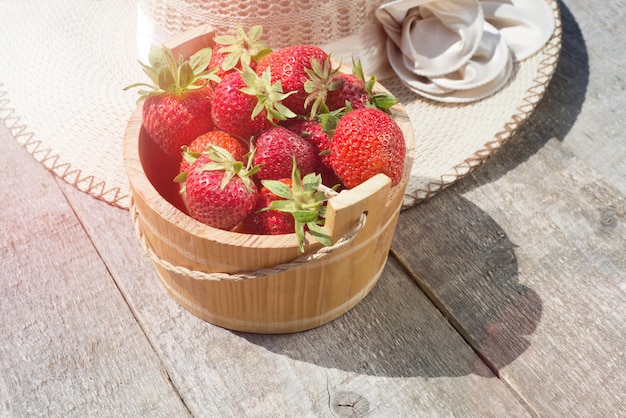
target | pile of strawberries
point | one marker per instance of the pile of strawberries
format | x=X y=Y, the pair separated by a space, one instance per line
x=263 y=135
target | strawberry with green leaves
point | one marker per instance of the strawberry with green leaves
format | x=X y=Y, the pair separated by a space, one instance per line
x=293 y=204
x=275 y=150
x=218 y=190
x=232 y=52
x=330 y=90
x=266 y=221
x=177 y=105
x=366 y=142
x=316 y=132
x=289 y=66
x=237 y=148
x=245 y=104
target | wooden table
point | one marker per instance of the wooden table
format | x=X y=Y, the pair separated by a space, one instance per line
x=505 y=295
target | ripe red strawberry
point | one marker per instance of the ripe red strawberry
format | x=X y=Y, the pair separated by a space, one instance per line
x=275 y=150
x=367 y=142
x=266 y=221
x=177 y=106
x=314 y=133
x=329 y=90
x=218 y=190
x=301 y=198
x=317 y=133
x=235 y=146
x=289 y=66
x=245 y=104
x=348 y=88
x=232 y=108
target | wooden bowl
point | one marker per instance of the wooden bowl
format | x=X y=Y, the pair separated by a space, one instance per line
x=248 y=282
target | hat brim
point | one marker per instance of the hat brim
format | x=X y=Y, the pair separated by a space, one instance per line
x=62 y=99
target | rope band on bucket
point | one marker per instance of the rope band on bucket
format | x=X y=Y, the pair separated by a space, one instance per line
x=256 y=274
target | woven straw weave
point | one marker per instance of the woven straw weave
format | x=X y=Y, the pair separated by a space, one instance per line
x=73 y=121
x=285 y=22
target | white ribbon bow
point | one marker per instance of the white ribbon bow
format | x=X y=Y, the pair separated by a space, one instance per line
x=462 y=50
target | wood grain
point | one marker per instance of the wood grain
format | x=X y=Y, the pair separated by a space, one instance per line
x=521 y=267
x=393 y=353
x=531 y=272
x=69 y=344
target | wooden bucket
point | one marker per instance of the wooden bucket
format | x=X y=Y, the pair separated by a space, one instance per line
x=259 y=283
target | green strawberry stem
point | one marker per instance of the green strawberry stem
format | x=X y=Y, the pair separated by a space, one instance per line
x=318 y=85
x=174 y=76
x=305 y=200
x=243 y=47
x=269 y=96
x=382 y=101
x=221 y=160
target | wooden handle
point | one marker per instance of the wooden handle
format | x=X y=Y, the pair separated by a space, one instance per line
x=345 y=209
x=189 y=42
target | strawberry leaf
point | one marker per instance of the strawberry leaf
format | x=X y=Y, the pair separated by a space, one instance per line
x=255 y=33
x=225 y=39
x=181 y=177
x=151 y=72
x=283 y=112
x=279 y=188
x=200 y=60
x=171 y=76
x=212 y=166
x=311 y=181
x=166 y=79
x=231 y=60
x=357 y=70
x=282 y=206
x=185 y=76
x=384 y=101
x=300 y=234
x=156 y=57
x=320 y=234
x=305 y=216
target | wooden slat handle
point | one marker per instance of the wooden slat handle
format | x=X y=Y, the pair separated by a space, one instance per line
x=345 y=209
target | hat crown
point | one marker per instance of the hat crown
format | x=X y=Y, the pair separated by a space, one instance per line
x=285 y=22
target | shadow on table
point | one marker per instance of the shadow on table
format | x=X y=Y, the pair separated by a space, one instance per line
x=463 y=262
x=467 y=261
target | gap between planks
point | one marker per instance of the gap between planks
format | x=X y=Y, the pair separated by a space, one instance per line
x=456 y=325
x=64 y=187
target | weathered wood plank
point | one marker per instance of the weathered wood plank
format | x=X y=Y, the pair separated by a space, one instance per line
x=69 y=345
x=585 y=105
x=392 y=355
x=529 y=262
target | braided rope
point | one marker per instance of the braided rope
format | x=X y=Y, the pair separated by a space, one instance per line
x=256 y=274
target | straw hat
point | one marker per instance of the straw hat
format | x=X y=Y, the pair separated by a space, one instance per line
x=65 y=65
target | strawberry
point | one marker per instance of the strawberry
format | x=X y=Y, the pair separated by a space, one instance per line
x=232 y=109
x=245 y=104
x=236 y=147
x=317 y=133
x=289 y=66
x=301 y=198
x=275 y=149
x=266 y=221
x=231 y=53
x=349 y=88
x=330 y=90
x=366 y=142
x=313 y=132
x=218 y=190
x=177 y=106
